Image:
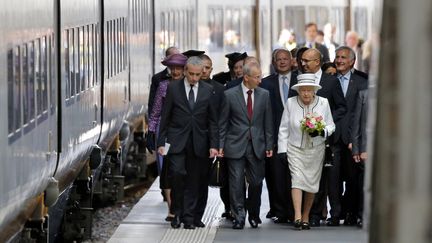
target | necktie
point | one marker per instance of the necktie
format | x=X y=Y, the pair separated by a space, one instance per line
x=343 y=84
x=249 y=104
x=191 y=97
x=285 y=88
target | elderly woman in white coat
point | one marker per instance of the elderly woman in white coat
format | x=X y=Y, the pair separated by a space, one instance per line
x=304 y=150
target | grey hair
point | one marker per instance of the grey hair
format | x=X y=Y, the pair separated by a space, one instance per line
x=247 y=68
x=352 y=54
x=195 y=61
x=276 y=52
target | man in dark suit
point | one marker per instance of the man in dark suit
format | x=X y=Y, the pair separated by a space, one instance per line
x=246 y=138
x=311 y=61
x=343 y=164
x=235 y=65
x=277 y=172
x=311 y=32
x=218 y=96
x=189 y=125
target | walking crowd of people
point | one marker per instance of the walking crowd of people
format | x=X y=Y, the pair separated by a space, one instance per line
x=302 y=129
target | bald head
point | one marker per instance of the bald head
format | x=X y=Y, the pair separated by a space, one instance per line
x=311 y=60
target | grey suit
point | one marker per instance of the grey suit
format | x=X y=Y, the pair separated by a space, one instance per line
x=359 y=137
x=245 y=142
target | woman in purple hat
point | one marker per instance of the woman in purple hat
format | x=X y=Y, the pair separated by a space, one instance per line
x=175 y=64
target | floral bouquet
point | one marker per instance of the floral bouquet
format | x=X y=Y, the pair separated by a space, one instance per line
x=312 y=123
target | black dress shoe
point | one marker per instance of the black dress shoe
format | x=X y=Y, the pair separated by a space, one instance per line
x=333 y=222
x=297 y=224
x=237 y=225
x=169 y=218
x=305 y=226
x=350 y=220
x=314 y=222
x=199 y=224
x=253 y=223
x=176 y=222
x=189 y=226
x=270 y=215
x=280 y=220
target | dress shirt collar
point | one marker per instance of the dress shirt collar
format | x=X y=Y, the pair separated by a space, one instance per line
x=318 y=76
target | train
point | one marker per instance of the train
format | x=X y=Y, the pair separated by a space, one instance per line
x=76 y=79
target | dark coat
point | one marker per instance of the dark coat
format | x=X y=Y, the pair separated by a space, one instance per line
x=271 y=83
x=344 y=125
x=155 y=80
x=178 y=121
x=222 y=77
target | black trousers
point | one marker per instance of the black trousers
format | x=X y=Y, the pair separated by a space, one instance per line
x=224 y=191
x=186 y=173
x=278 y=179
x=204 y=169
x=341 y=155
x=253 y=169
x=353 y=174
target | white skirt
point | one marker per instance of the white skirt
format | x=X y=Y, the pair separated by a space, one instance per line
x=306 y=166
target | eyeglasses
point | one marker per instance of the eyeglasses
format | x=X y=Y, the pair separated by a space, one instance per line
x=306 y=60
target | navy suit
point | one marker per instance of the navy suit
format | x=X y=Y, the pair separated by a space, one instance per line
x=344 y=167
x=277 y=172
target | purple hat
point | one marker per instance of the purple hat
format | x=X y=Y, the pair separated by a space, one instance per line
x=176 y=59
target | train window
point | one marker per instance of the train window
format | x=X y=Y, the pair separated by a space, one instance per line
x=146 y=23
x=115 y=36
x=38 y=81
x=71 y=62
x=77 y=60
x=295 y=20
x=51 y=56
x=44 y=72
x=86 y=58
x=96 y=52
x=82 y=58
x=361 y=22
x=91 y=55
x=28 y=78
x=11 y=93
x=14 y=91
x=17 y=86
x=67 y=60
x=139 y=11
x=215 y=24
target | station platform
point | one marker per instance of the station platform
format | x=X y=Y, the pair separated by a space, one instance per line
x=145 y=223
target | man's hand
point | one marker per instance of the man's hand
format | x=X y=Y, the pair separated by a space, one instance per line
x=221 y=153
x=269 y=153
x=161 y=150
x=364 y=156
x=213 y=153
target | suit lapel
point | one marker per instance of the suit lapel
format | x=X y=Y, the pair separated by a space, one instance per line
x=350 y=88
x=183 y=93
x=256 y=100
x=277 y=90
x=241 y=100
